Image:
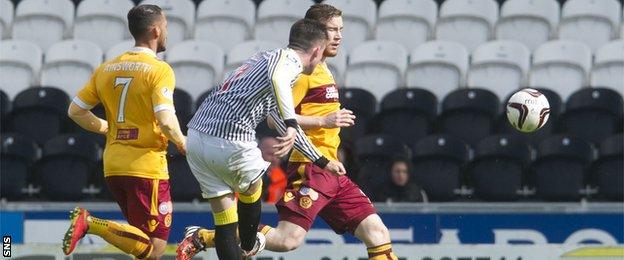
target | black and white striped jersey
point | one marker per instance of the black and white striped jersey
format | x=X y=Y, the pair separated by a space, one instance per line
x=248 y=94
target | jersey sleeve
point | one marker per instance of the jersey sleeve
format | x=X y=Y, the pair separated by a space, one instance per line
x=162 y=93
x=302 y=143
x=282 y=73
x=88 y=97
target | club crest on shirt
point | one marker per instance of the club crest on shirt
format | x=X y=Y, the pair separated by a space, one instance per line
x=288 y=196
x=305 y=202
x=152 y=224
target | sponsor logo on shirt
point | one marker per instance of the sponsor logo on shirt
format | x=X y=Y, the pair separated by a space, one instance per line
x=128 y=134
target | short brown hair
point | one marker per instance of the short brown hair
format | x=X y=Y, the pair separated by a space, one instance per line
x=141 y=17
x=322 y=12
x=305 y=34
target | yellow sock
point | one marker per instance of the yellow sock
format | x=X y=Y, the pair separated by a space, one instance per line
x=381 y=252
x=249 y=199
x=124 y=236
x=265 y=229
x=207 y=237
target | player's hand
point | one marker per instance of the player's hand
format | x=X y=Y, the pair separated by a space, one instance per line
x=286 y=142
x=336 y=168
x=340 y=118
x=182 y=146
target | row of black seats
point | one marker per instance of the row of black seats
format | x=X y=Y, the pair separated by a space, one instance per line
x=499 y=167
x=69 y=167
x=410 y=114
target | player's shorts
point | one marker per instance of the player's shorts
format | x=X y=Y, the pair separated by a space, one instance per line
x=222 y=166
x=312 y=191
x=146 y=203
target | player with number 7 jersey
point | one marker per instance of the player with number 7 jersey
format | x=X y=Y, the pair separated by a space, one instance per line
x=136 y=91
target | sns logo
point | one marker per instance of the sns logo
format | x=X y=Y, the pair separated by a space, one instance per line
x=6 y=246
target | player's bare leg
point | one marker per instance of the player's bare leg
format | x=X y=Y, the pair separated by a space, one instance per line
x=376 y=237
x=125 y=237
x=285 y=237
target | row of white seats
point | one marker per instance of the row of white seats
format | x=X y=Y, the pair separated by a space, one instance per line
x=378 y=66
x=408 y=22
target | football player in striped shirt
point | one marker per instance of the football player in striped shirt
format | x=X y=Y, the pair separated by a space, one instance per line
x=313 y=191
x=222 y=152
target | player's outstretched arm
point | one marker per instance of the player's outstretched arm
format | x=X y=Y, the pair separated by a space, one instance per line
x=169 y=125
x=86 y=119
x=340 y=118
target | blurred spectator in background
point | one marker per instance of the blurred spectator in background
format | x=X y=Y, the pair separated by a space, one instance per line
x=400 y=188
x=346 y=156
x=274 y=182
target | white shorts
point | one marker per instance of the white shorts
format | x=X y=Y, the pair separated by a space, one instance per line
x=222 y=166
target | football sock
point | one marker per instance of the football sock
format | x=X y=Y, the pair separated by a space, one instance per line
x=381 y=252
x=264 y=229
x=226 y=224
x=249 y=211
x=207 y=237
x=124 y=236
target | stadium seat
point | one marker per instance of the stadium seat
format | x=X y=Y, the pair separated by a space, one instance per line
x=529 y=22
x=600 y=107
x=437 y=66
x=359 y=18
x=499 y=66
x=338 y=65
x=69 y=64
x=559 y=169
x=375 y=153
x=608 y=69
x=363 y=104
x=6 y=18
x=608 y=170
x=377 y=66
x=407 y=22
x=498 y=169
x=225 y=22
x=439 y=161
x=180 y=18
x=467 y=22
x=182 y=182
x=70 y=158
x=469 y=114
x=118 y=49
x=103 y=22
x=202 y=97
x=39 y=113
x=18 y=155
x=184 y=106
x=275 y=17
x=5 y=108
x=43 y=22
x=556 y=107
x=592 y=22
x=408 y=114
x=20 y=64
x=562 y=66
x=242 y=51
x=198 y=65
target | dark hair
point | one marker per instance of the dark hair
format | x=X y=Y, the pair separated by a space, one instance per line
x=322 y=12
x=305 y=34
x=141 y=17
x=402 y=159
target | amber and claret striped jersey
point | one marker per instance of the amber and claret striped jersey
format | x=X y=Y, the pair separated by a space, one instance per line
x=132 y=88
x=317 y=95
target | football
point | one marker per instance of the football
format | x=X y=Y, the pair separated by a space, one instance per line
x=528 y=110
